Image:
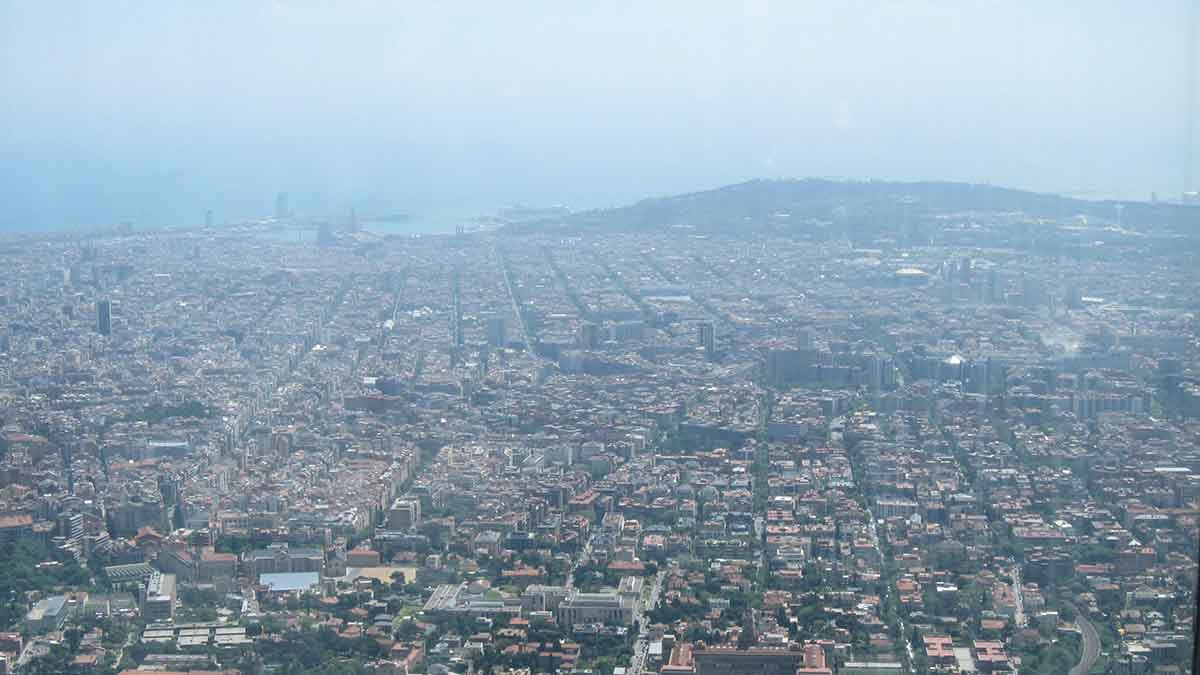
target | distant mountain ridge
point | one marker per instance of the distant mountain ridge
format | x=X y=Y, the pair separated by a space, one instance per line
x=760 y=204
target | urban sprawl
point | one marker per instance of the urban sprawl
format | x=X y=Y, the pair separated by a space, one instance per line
x=261 y=448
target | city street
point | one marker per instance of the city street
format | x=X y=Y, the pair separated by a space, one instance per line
x=641 y=647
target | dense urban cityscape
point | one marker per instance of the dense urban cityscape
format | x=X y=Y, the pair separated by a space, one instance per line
x=704 y=436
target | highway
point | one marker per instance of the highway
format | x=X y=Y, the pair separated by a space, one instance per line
x=1091 y=643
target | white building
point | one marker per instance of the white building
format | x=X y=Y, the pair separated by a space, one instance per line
x=607 y=608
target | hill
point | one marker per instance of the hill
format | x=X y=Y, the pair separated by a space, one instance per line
x=764 y=204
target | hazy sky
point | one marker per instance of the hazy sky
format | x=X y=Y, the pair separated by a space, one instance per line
x=153 y=111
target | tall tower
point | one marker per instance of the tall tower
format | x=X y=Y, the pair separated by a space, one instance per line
x=497 y=334
x=456 y=291
x=281 y=206
x=68 y=468
x=708 y=339
x=104 y=317
x=589 y=335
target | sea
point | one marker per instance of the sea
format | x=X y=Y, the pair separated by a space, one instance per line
x=431 y=220
x=415 y=224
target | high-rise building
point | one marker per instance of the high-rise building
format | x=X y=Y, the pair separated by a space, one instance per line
x=104 y=317
x=325 y=235
x=804 y=340
x=281 y=206
x=708 y=338
x=457 y=327
x=168 y=488
x=68 y=467
x=589 y=335
x=405 y=514
x=70 y=527
x=874 y=372
x=497 y=332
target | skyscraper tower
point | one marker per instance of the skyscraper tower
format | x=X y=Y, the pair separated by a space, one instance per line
x=168 y=488
x=67 y=459
x=589 y=335
x=325 y=235
x=104 y=317
x=708 y=339
x=497 y=335
x=456 y=290
x=281 y=206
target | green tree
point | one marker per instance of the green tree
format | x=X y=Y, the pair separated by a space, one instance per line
x=23 y=572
